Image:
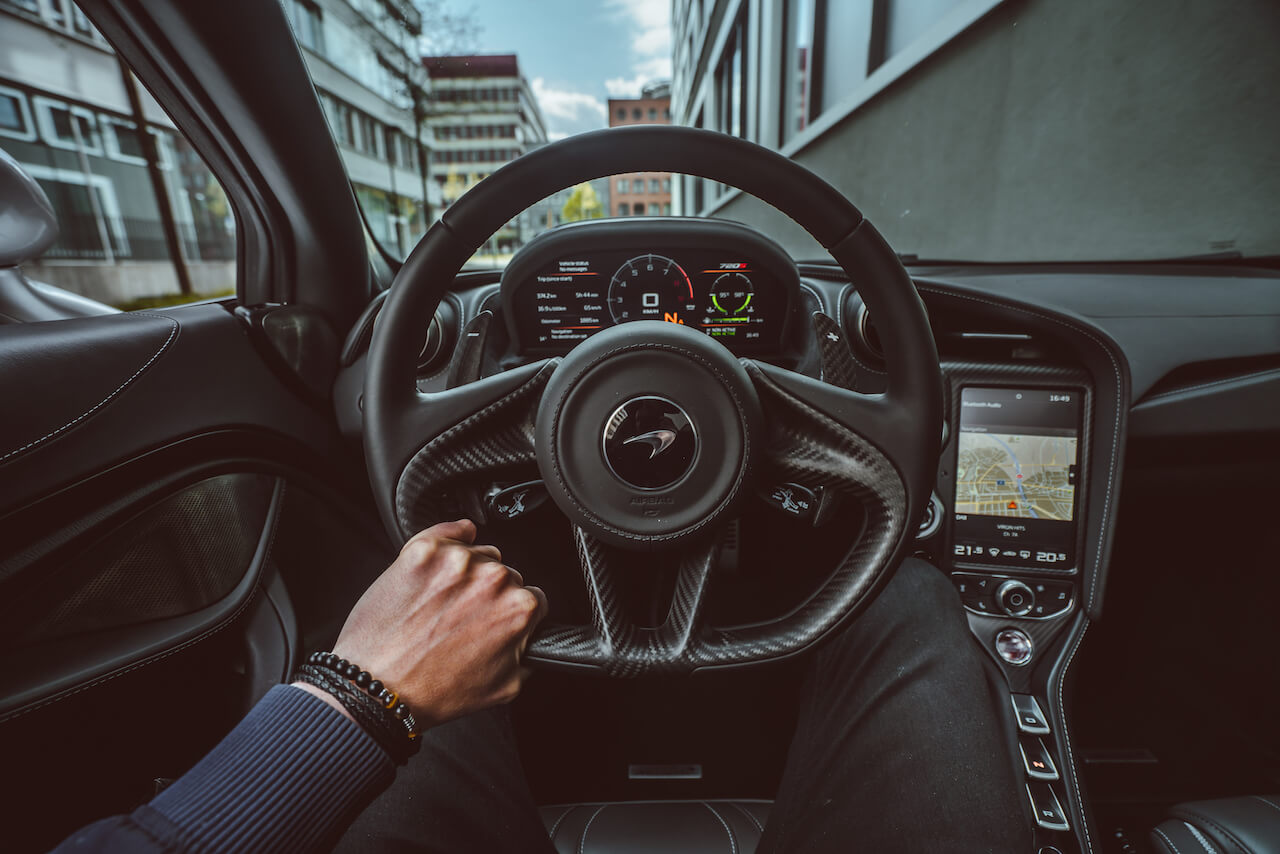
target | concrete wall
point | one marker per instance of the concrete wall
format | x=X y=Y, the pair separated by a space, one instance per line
x=1050 y=130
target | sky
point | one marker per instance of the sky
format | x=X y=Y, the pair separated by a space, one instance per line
x=578 y=53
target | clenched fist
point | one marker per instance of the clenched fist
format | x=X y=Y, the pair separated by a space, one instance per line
x=445 y=625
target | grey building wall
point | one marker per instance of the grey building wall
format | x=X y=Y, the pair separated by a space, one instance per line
x=1092 y=129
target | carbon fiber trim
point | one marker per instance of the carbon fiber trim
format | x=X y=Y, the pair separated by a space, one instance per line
x=494 y=441
x=803 y=445
x=838 y=367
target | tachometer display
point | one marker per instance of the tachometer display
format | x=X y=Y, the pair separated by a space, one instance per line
x=651 y=287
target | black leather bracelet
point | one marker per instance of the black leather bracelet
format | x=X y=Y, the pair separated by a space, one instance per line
x=376 y=708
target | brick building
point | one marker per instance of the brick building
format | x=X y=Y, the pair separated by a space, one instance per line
x=645 y=193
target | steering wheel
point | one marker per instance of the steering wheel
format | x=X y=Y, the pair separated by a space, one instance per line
x=648 y=435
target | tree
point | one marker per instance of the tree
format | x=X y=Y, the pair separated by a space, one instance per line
x=583 y=203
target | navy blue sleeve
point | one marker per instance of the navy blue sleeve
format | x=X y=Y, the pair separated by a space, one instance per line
x=291 y=777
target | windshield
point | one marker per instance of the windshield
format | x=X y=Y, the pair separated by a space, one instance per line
x=965 y=129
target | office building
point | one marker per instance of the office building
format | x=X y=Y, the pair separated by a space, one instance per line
x=997 y=129
x=645 y=193
x=482 y=115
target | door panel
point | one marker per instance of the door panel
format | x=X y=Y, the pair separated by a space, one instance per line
x=143 y=463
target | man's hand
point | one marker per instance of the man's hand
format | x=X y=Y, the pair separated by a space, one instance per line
x=445 y=625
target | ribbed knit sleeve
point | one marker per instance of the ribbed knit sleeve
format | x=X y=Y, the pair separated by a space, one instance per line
x=291 y=777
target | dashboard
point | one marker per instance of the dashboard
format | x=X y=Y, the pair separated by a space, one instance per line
x=1052 y=373
x=1049 y=371
x=720 y=278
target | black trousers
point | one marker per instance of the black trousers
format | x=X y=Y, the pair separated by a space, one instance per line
x=905 y=742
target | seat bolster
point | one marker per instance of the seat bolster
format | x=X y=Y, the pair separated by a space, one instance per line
x=1246 y=825
x=672 y=827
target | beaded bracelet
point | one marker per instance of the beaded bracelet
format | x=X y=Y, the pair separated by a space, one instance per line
x=382 y=712
x=372 y=717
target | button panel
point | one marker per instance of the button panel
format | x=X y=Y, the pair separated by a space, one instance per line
x=1044 y=803
x=996 y=595
x=1030 y=719
x=1036 y=758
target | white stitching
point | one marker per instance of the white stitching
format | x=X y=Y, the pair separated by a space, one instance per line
x=556 y=825
x=1200 y=838
x=1066 y=738
x=755 y=822
x=1115 y=435
x=1167 y=841
x=1267 y=801
x=172 y=334
x=733 y=840
x=1183 y=390
x=582 y=841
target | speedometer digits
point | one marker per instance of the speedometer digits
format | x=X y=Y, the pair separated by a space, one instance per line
x=651 y=287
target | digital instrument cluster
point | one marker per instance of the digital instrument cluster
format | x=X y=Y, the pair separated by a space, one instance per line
x=556 y=297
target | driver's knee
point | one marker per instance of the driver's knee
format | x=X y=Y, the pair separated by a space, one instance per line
x=919 y=608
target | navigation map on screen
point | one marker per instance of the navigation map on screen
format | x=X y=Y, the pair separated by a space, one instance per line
x=1012 y=474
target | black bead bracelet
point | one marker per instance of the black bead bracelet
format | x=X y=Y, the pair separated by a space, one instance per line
x=374 y=706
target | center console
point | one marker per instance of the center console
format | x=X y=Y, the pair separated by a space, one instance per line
x=1013 y=489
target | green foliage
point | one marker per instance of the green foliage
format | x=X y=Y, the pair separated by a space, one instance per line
x=583 y=203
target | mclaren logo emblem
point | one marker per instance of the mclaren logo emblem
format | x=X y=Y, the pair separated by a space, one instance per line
x=649 y=442
x=657 y=440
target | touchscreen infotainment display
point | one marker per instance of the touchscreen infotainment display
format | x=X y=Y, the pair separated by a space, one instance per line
x=1017 y=476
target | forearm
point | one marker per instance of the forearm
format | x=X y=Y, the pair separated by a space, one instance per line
x=290 y=777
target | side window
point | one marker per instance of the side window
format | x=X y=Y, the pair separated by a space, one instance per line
x=143 y=222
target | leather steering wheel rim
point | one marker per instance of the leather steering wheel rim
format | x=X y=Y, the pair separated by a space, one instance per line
x=402 y=424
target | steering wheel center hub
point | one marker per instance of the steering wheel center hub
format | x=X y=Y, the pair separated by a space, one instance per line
x=646 y=433
x=650 y=442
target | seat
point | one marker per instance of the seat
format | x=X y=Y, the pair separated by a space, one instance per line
x=1248 y=825
x=647 y=827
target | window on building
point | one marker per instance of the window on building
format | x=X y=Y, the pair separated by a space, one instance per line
x=121 y=140
x=635 y=113
x=622 y=113
x=15 y=115
x=905 y=21
x=69 y=127
x=731 y=81
x=624 y=186
x=653 y=114
x=801 y=87
x=666 y=185
x=307 y=25
x=666 y=208
x=624 y=209
x=32 y=6
x=655 y=209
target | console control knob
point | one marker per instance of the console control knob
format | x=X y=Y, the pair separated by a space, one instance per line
x=1014 y=646
x=1015 y=598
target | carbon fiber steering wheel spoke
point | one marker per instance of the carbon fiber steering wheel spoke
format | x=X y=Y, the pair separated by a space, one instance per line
x=494 y=441
x=613 y=643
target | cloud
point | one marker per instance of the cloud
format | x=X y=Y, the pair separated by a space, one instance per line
x=567 y=111
x=565 y=103
x=649 y=22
